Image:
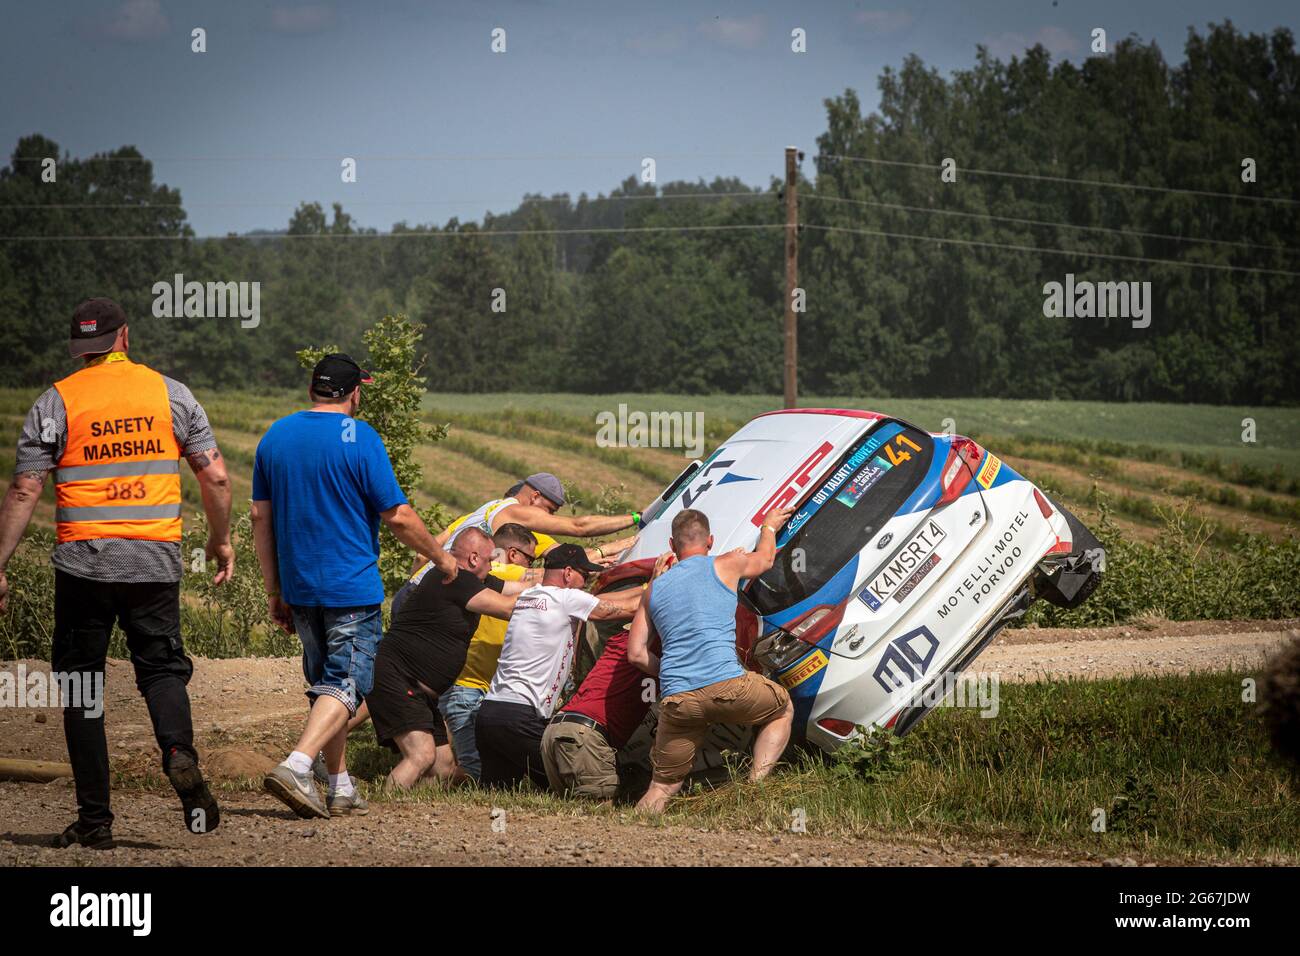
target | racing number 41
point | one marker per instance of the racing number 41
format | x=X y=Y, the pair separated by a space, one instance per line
x=898 y=457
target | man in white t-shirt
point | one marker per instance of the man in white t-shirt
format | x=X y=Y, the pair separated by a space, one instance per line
x=535 y=662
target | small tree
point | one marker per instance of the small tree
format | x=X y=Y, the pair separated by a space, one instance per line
x=392 y=407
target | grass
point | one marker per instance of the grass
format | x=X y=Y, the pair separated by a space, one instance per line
x=1179 y=765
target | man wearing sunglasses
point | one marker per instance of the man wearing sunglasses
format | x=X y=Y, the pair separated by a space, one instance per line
x=534 y=665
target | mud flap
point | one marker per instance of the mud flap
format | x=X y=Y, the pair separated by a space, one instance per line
x=1071 y=581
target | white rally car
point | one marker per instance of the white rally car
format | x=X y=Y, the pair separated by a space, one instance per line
x=907 y=554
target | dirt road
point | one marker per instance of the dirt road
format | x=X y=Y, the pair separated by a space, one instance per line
x=247 y=713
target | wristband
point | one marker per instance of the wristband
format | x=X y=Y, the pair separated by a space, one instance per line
x=599 y=551
x=636 y=519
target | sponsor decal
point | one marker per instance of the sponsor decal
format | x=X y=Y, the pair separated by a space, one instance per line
x=804 y=669
x=885 y=538
x=851 y=493
x=852 y=464
x=906 y=659
x=989 y=571
x=910 y=558
x=789 y=491
x=989 y=470
x=910 y=584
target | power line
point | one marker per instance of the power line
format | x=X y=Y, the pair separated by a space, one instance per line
x=1046 y=222
x=483 y=233
x=411 y=158
x=1046 y=250
x=1065 y=179
x=254 y=203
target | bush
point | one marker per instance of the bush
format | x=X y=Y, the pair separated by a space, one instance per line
x=1183 y=577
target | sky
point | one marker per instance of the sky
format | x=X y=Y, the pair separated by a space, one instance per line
x=442 y=126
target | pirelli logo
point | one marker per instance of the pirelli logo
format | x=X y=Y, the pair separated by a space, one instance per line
x=804 y=669
x=988 y=472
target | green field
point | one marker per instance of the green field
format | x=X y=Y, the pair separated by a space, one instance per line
x=1143 y=457
x=1204 y=429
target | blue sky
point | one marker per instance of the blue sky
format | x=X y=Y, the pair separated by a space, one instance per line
x=261 y=120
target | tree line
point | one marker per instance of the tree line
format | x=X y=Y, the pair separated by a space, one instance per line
x=632 y=304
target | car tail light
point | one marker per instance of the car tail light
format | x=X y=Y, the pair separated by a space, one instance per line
x=1043 y=505
x=958 y=470
x=813 y=626
x=840 y=728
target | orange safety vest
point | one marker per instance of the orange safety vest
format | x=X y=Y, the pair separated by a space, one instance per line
x=119 y=476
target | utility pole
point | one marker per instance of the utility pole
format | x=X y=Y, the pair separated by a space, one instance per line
x=791 y=276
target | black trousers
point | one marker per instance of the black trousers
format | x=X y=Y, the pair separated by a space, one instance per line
x=149 y=614
x=509 y=738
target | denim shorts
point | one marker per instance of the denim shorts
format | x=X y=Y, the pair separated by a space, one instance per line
x=459 y=706
x=338 y=650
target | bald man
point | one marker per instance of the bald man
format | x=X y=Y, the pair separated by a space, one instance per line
x=424 y=651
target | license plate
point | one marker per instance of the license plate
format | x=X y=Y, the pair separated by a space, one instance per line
x=912 y=557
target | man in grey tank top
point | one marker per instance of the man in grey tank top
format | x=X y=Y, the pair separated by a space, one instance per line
x=692 y=606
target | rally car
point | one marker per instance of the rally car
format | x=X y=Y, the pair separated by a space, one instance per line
x=907 y=552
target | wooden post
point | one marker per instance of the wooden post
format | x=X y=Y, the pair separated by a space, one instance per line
x=37 y=771
x=791 y=276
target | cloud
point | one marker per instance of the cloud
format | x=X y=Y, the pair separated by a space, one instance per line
x=135 y=20
x=743 y=32
x=1055 y=40
x=883 y=21
x=304 y=18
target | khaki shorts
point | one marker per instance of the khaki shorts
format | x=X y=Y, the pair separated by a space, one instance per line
x=684 y=718
x=579 y=760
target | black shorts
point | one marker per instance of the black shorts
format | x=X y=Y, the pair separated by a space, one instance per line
x=399 y=705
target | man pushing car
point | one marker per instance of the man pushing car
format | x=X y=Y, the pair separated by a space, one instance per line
x=692 y=606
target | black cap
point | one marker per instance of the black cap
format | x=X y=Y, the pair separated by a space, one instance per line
x=337 y=375
x=94 y=327
x=570 y=556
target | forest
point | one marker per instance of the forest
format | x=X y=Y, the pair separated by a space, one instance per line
x=914 y=286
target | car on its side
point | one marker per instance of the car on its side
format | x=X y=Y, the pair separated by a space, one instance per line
x=907 y=552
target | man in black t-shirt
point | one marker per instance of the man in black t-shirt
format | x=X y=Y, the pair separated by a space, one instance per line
x=424 y=651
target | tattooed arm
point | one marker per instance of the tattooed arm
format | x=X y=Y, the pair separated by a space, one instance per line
x=15 y=514
x=619 y=606
x=214 y=485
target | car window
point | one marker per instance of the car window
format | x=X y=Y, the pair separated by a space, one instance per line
x=855 y=498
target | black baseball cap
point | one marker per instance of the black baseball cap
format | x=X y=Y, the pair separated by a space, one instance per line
x=94 y=327
x=570 y=556
x=337 y=375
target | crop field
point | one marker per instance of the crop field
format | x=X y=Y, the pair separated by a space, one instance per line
x=1143 y=458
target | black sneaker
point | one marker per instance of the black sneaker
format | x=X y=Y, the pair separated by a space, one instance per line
x=95 y=838
x=200 y=809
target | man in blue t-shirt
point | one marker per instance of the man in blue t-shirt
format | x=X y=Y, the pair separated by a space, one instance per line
x=322 y=482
